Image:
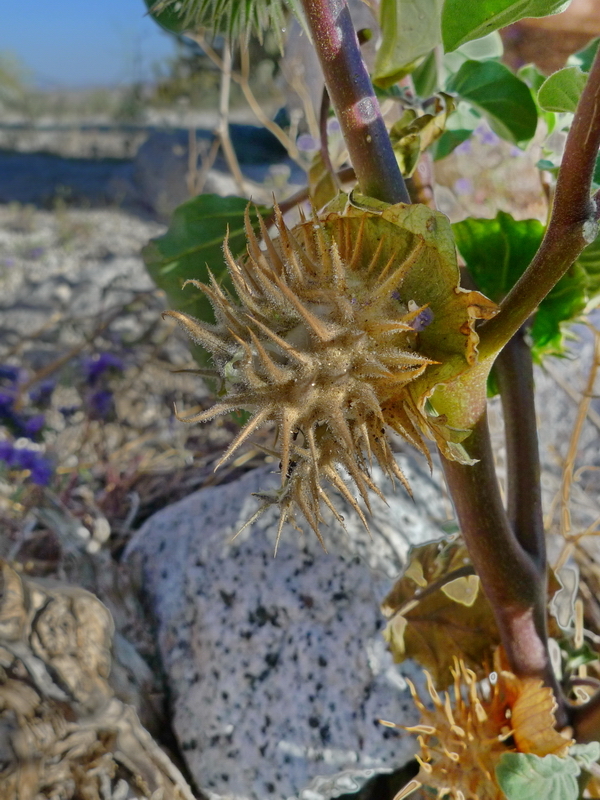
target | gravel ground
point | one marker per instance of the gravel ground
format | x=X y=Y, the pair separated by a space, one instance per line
x=73 y=289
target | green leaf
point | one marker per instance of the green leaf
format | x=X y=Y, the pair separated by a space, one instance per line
x=548 y=166
x=534 y=79
x=565 y=302
x=449 y=141
x=532 y=76
x=488 y=48
x=596 y=176
x=523 y=776
x=562 y=90
x=585 y=754
x=589 y=260
x=193 y=245
x=463 y=21
x=497 y=252
x=505 y=100
x=410 y=30
x=425 y=76
x=584 y=58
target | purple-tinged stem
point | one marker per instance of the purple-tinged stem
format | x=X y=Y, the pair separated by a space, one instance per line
x=353 y=99
x=511 y=579
x=514 y=374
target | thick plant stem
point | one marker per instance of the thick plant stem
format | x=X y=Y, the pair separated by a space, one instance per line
x=510 y=577
x=571 y=227
x=354 y=101
x=514 y=374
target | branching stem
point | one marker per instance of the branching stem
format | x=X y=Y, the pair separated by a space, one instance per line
x=354 y=101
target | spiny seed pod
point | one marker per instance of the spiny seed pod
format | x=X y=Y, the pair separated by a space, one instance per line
x=335 y=323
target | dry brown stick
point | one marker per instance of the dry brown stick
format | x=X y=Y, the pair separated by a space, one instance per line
x=582 y=412
x=242 y=80
x=223 y=124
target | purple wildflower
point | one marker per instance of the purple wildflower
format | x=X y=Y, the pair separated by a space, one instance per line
x=6 y=404
x=9 y=373
x=41 y=393
x=487 y=136
x=101 y=404
x=306 y=143
x=34 y=253
x=94 y=367
x=19 y=424
x=68 y=411
x=464 y=148
x=32 y=426
x=23 y=458
x=6 y=449
x=41 y=471
x=463 y=186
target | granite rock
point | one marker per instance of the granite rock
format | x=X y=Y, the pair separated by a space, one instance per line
x=162 y=163
x=277 y=668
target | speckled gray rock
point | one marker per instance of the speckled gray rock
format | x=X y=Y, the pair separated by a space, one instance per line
x=277 y=667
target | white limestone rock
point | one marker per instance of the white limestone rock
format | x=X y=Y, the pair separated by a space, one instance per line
x=277 y=668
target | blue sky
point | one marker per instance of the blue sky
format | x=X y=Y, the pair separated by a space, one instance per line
x=79 y=43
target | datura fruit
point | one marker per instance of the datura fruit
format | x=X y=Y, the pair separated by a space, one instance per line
x=342 y=328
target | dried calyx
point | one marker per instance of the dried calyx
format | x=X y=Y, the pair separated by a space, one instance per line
x=335 y=324
x=463 y=738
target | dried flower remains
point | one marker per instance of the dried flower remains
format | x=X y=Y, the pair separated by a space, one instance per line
x=462 y=741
